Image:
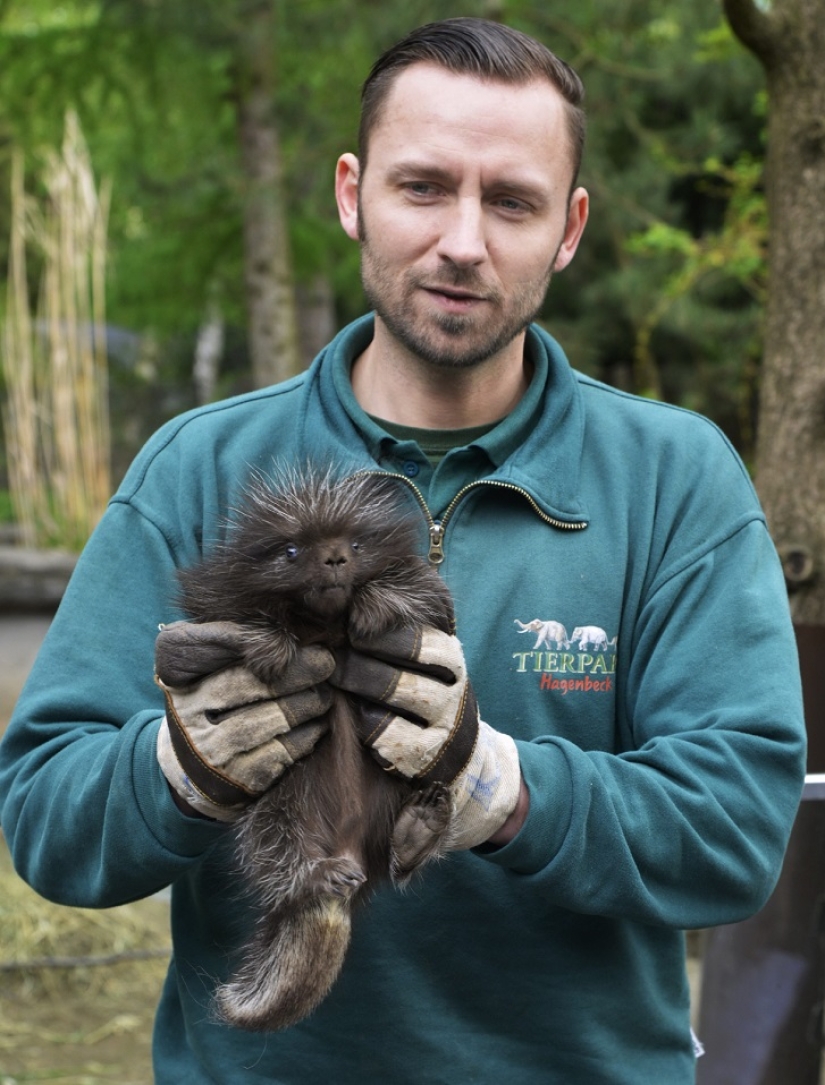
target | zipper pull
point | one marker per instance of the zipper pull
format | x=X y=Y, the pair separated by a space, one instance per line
x=436 y=554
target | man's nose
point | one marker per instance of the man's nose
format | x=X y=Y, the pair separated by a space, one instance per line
x=462 y=240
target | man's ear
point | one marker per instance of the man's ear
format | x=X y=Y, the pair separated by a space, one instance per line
x=347 y=172
x=576 y=222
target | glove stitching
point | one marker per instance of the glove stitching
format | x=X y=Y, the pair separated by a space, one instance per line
x=449 y=741
x=379 y=728
x=454 y=734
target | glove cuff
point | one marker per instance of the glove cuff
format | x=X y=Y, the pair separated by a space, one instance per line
x=214 y=786
x=181 y=783
x=487 y=792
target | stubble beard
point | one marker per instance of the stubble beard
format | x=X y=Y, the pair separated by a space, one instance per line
x=447 y=340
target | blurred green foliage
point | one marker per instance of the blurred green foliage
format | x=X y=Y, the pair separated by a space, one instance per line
x=664 y=297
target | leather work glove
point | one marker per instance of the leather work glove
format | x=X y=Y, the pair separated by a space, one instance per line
x=419 y=717
x=227 y=736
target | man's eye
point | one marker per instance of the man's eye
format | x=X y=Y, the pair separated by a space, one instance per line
x=510 y=203
x=420 y=188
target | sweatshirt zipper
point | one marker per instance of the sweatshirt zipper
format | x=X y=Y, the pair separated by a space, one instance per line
x=437 y=528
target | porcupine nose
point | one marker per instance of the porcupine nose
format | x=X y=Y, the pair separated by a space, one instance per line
x=335 y=555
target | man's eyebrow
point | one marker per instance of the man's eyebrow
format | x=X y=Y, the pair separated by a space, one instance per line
x=429 y=171
x=403 y=171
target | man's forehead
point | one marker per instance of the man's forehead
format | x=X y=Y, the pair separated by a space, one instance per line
x=425 y=79
x=431 y=113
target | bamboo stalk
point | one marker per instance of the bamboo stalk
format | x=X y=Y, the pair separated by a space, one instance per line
x=18 y=349
x=57 y=417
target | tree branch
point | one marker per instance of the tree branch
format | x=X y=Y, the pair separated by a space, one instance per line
x=84 y=962
x=587 y=55
x=756 y=29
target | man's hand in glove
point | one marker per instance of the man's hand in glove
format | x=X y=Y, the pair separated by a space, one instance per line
x=227 y=736
x=419 y=716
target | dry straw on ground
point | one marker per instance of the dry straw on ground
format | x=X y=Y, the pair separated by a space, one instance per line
x=49 y=949
x=78 y=1024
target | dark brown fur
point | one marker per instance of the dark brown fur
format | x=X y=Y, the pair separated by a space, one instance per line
x=306 y=563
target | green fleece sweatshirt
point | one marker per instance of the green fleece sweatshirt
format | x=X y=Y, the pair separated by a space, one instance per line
x=623 y=616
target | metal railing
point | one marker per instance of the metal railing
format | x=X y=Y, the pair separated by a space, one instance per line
x=814 y=786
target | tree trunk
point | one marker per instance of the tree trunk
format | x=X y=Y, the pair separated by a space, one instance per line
x=208 y=353
x=273 y=338
x=316 y=316
x=790 y=452
x=762 y=990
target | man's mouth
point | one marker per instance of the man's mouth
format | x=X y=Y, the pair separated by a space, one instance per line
x=454 y=298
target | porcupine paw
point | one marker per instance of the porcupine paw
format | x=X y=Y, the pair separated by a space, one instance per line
x=340 y=876
x=268 y=656
x=419 y=830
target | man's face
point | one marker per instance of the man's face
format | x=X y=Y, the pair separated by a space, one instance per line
x=463 y=212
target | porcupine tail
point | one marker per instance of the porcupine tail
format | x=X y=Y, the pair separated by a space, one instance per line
x=300 y=848
x=289 y=968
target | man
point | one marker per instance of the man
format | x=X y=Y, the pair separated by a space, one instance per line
x=620 y=612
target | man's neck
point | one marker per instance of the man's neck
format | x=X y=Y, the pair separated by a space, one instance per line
x=390 y=383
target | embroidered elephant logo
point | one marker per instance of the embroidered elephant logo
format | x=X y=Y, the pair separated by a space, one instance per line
x=594 y=636
x=546 y=632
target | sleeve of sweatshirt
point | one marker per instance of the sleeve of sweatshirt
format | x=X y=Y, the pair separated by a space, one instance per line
x=85 y=809
x=687 y=822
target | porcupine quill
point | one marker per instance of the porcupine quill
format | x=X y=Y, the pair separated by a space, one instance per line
x=305 y=562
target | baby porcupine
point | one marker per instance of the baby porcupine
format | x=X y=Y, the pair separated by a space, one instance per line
x=307 y=562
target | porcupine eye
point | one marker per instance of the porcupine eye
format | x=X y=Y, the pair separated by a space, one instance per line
x=291 y=551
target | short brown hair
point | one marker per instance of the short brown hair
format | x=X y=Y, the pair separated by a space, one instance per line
x=477 y=47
